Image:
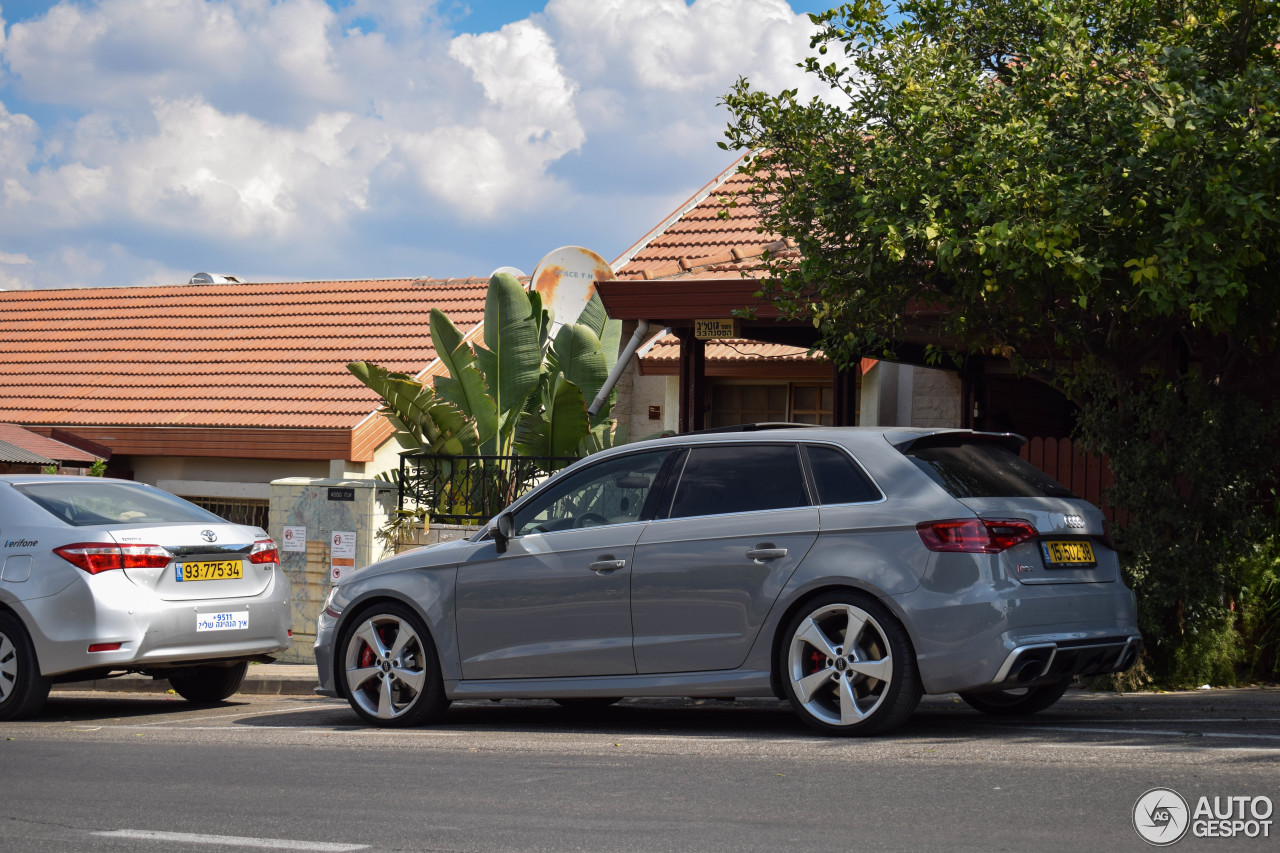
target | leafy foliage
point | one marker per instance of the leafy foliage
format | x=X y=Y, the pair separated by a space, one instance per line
x=519 y=392
x=1089 y=188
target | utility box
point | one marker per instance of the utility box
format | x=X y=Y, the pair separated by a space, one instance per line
x=325 y=529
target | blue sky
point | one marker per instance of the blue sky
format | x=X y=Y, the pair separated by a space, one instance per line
x=142 y=141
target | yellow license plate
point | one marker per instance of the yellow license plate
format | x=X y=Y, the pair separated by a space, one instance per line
x=214 y=570
x=1069 y=552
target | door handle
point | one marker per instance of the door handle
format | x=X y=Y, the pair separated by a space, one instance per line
x=761 y=555
x=604 y=567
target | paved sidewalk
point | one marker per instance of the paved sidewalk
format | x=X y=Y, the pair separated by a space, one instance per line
x=288 y=679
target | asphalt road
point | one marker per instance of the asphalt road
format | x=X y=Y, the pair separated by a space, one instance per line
x=130 y=772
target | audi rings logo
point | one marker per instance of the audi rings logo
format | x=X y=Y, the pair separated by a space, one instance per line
x=208 y=536
x=1073 y=520
x=1160 y=816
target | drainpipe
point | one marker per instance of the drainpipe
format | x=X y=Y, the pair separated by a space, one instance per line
x=624 y=358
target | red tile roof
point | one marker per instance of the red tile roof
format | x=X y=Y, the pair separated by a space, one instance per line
x=24 y=446
x=707 y=237
x=218 y=356
x=667 y=349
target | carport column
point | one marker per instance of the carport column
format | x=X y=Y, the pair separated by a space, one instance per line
x=305 y=514
x=693 y=381
x=844 y=385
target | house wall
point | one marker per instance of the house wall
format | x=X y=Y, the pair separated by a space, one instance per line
x=646 y=391
x=935 y=398
x=905 y=395
x=385 y=458
x=217 y=471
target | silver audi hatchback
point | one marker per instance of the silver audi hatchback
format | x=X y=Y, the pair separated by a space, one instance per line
x=102 y=577
x=848 y=570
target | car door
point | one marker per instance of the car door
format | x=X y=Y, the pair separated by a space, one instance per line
x=709 y=567
x=557 y=602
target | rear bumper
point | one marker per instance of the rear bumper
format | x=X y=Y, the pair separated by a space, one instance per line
x=1054 y=661
x=992 y=634
x=109 y=609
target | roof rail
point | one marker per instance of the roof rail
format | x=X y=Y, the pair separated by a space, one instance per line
x=758 y=427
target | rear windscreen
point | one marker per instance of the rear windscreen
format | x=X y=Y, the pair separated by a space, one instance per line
x=983 y=469
x=84 y=504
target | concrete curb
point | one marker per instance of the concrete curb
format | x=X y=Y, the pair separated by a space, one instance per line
x=262 y=680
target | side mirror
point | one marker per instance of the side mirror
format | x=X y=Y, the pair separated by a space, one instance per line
x=504 y=528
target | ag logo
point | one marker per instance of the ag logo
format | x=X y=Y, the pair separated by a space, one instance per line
x=1161 y=816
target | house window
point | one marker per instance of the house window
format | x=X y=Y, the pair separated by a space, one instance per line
x=747 y=404
x=237 y=510
x=734 y=403
x=813 y=404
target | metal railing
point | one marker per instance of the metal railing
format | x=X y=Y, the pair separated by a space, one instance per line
x=470 y=489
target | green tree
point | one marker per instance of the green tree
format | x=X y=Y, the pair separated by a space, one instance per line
x=1086 y=187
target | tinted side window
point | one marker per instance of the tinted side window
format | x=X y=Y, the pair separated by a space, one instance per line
x=839 y=479
x=612 y=492
x=981 y=469
x=726 y=479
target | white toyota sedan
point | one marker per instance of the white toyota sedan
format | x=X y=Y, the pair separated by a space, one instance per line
x=101 y=577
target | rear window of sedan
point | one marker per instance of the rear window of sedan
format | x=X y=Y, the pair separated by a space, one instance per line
x=983 y=469
x=82 y=504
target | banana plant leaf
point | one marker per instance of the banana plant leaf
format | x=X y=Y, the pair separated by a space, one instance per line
x=559 y=429
x=464 y=387
x=581 y=359
x=511 y=360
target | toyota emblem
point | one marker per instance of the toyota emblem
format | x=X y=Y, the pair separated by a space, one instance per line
x=208 y=536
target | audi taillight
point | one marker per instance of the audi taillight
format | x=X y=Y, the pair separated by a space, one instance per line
x=95 y=557
x=264 y=551
x=975 y=535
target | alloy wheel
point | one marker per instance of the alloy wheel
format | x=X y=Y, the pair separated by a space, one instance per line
x=840 y=664
x=386 y=666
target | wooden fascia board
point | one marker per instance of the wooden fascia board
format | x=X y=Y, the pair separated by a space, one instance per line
x=672 y=301
x=748 y=369
x=236 y=442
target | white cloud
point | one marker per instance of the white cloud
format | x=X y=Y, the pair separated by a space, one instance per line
x=283 y=128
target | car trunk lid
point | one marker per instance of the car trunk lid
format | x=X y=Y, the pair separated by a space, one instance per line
x=1072 y=545
x=206 y=561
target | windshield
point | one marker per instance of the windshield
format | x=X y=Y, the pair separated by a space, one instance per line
x=84 y=504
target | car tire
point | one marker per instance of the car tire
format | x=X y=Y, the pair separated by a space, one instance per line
x=858 y=688
x=23 y=690
x=206 y=685
x=1016 y=703
x=388 y=668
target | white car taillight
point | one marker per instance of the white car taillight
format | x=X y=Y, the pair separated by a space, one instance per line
x=95 y=557
x=264 y=551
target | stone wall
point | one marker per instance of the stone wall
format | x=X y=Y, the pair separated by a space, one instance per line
x=324 y=507
x=935 y=398
x=437 y=533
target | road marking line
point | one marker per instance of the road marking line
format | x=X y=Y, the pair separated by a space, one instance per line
x=1049 y=727
x=1151 y=747
x=233 y=840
